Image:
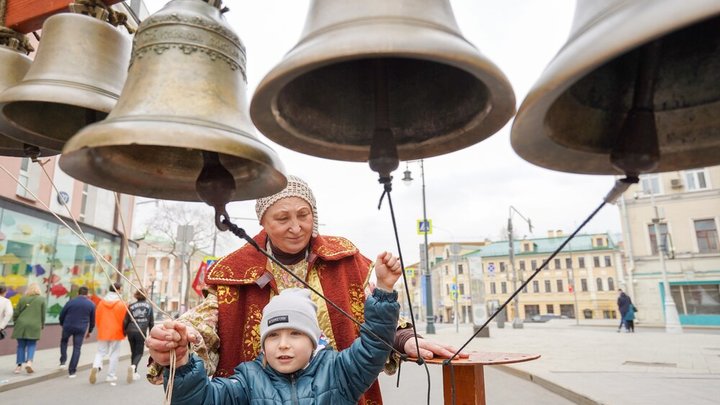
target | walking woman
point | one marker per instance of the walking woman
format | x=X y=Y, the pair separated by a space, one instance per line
x=142 y=311
x=29 y=318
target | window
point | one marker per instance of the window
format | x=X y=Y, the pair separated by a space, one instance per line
x=536 y=286
x=707 y=236
x=447 y=289
x=608 y=261
x=568 y=263
x=84 y=201
x=446 y=270
x=547 y=286
x=493 y=289
x=695 y=180
x=462 y=289
x=531 y=310
x=557 y=264
x=560 y=286
x=460 y=269
x=29 y=176
x=533 y=264
x=522 y=265
x=598 y=281
x=503 y=287
x=596 y=261
x=650 y=184
x=583 y=284
x=696 y=299
x=502 y=266
x=550 y=308
x=653 y=239
x=599 y=242
x=611 y=284
x=526 y=247
x=581 y=262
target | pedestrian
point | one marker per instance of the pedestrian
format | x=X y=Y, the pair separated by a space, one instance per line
x=630 y=318
x=77 y=319
x=144 y=319
x=289 y=333
x=242 y=283
x=109 y=317
x=29 y=319
x=623 y=302
x=6 y=311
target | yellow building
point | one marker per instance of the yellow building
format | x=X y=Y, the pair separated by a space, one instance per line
x=582 y=279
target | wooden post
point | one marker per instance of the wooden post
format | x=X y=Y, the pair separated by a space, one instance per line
x=26 y=16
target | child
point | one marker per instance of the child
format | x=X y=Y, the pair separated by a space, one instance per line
x=292 y=368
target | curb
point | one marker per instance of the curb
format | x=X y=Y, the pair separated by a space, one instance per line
x=40 y=377
x=564 y=392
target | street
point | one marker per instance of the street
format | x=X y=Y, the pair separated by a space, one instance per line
x=501 y=388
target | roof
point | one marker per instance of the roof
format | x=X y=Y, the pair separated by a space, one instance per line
x=543 y=245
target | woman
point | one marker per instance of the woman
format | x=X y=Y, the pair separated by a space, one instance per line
x=29 y=319
x=136 y=331
x=242 y=283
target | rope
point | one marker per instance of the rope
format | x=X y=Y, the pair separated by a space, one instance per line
x=387 y=188
x=240 y=233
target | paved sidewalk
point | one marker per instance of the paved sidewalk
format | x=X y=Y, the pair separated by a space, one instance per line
x=46 y=364
x=593 y=364
x=587 y=364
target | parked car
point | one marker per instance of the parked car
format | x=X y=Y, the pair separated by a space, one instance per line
x=546 y=317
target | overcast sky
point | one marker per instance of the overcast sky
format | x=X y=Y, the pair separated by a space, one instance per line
x=468 y=192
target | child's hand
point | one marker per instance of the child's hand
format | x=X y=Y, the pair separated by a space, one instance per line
x=387 y=270
x=177 y=337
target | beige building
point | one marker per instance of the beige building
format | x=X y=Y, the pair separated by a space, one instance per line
x=581 y=280
x=688 y=212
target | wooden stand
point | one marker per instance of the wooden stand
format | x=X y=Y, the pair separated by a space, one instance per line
x=26 y=16
x=469 y=376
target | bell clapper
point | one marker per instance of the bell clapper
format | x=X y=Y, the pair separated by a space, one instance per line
x=637 y=148
x=215 y=186
x=383 y=149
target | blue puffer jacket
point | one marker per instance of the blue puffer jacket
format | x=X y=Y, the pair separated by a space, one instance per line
x=331 y=377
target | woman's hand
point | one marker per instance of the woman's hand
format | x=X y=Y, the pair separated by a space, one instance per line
x=429 y=349
x=169 y=336
x=387 y=270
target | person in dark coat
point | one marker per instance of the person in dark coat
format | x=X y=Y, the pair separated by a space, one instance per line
x=142 y=311
x=624 y=303
x=77 y=319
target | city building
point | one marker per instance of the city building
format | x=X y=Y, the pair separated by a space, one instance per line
x=685 y=206
x=582 y=280
x=165 y=275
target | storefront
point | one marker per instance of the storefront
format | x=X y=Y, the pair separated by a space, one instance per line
x=36 y=248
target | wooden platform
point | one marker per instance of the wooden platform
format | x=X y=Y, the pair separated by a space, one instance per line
x=469 y=377
x=26 y=16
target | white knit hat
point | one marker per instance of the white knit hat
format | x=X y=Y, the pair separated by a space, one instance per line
x=291 y=309
x=296 y=187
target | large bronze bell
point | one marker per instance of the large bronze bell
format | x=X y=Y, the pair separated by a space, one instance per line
x=182 y=116
x=14 y=63
x=75 y=80
x=634 y=90
x=368 y=64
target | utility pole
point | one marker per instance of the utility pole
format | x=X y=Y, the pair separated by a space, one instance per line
x=517 y=321
x=672 y=319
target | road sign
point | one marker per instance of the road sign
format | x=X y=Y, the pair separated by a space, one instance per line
x=424 y=226
x=454 y=295
x=491 y=269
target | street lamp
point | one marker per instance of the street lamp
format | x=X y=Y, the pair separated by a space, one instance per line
x=517 y=322
x=672 y=319
x=429 y=313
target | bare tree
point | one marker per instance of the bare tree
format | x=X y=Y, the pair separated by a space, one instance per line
x=168 y=218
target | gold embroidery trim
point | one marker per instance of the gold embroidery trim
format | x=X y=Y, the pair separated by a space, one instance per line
x=313 y=279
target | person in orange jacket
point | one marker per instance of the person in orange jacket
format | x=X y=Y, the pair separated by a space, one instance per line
x=109 y=316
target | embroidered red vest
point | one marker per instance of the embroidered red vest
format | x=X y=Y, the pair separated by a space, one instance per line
x=342 y=271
